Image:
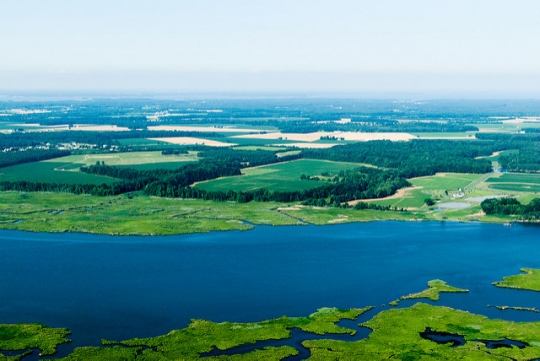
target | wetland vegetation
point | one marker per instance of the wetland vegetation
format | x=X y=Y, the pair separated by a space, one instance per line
x=528 y=280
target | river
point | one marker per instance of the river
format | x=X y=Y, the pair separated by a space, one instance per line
x=124 y=287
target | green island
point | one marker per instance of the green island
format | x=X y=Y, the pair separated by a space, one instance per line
x=529 y=280
x=435 y=287
x=516 y=308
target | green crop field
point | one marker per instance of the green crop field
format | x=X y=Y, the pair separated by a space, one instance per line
x=516 y=178
x=514 y=187
x=278 y=177
x=445 y=181
x=51 y=172
x=128 y=158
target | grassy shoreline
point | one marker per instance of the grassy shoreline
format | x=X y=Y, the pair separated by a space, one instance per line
x=145 y=216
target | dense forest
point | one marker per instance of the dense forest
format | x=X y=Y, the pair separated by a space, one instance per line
x=361 y=125
x=526 y=157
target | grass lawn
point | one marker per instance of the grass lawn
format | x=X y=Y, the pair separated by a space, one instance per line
x=278 y=177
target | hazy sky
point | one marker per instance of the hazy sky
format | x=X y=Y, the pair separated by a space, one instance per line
x=252 y=45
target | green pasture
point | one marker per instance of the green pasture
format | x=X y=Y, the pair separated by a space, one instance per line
x=278 y=177
x=51 y=172
x=445 y=181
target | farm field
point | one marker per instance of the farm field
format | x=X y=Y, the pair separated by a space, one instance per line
x=277 y=177
x=51 y=172
x=412 y=198
x=516 y=182
x=129 y=158
x=445 y=181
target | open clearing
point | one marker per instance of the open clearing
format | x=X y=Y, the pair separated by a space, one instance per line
x=278 y=177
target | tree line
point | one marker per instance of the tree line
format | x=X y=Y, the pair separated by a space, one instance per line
x=511 y=206
x=30 y=155
x=32 y=139
x=414 y=158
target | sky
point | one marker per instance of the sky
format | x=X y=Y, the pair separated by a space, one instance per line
x=385 y=46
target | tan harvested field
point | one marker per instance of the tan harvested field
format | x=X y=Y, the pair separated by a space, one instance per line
x=400 y=193
x=351 y=136
x=522 y=120
x=190 y=140
x=110 y=128
x=307 y=145
x=202 y=129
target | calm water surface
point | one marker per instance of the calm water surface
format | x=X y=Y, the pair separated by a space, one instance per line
x=125 y=287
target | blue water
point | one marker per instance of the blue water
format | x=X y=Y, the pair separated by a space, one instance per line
x=124 y=287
